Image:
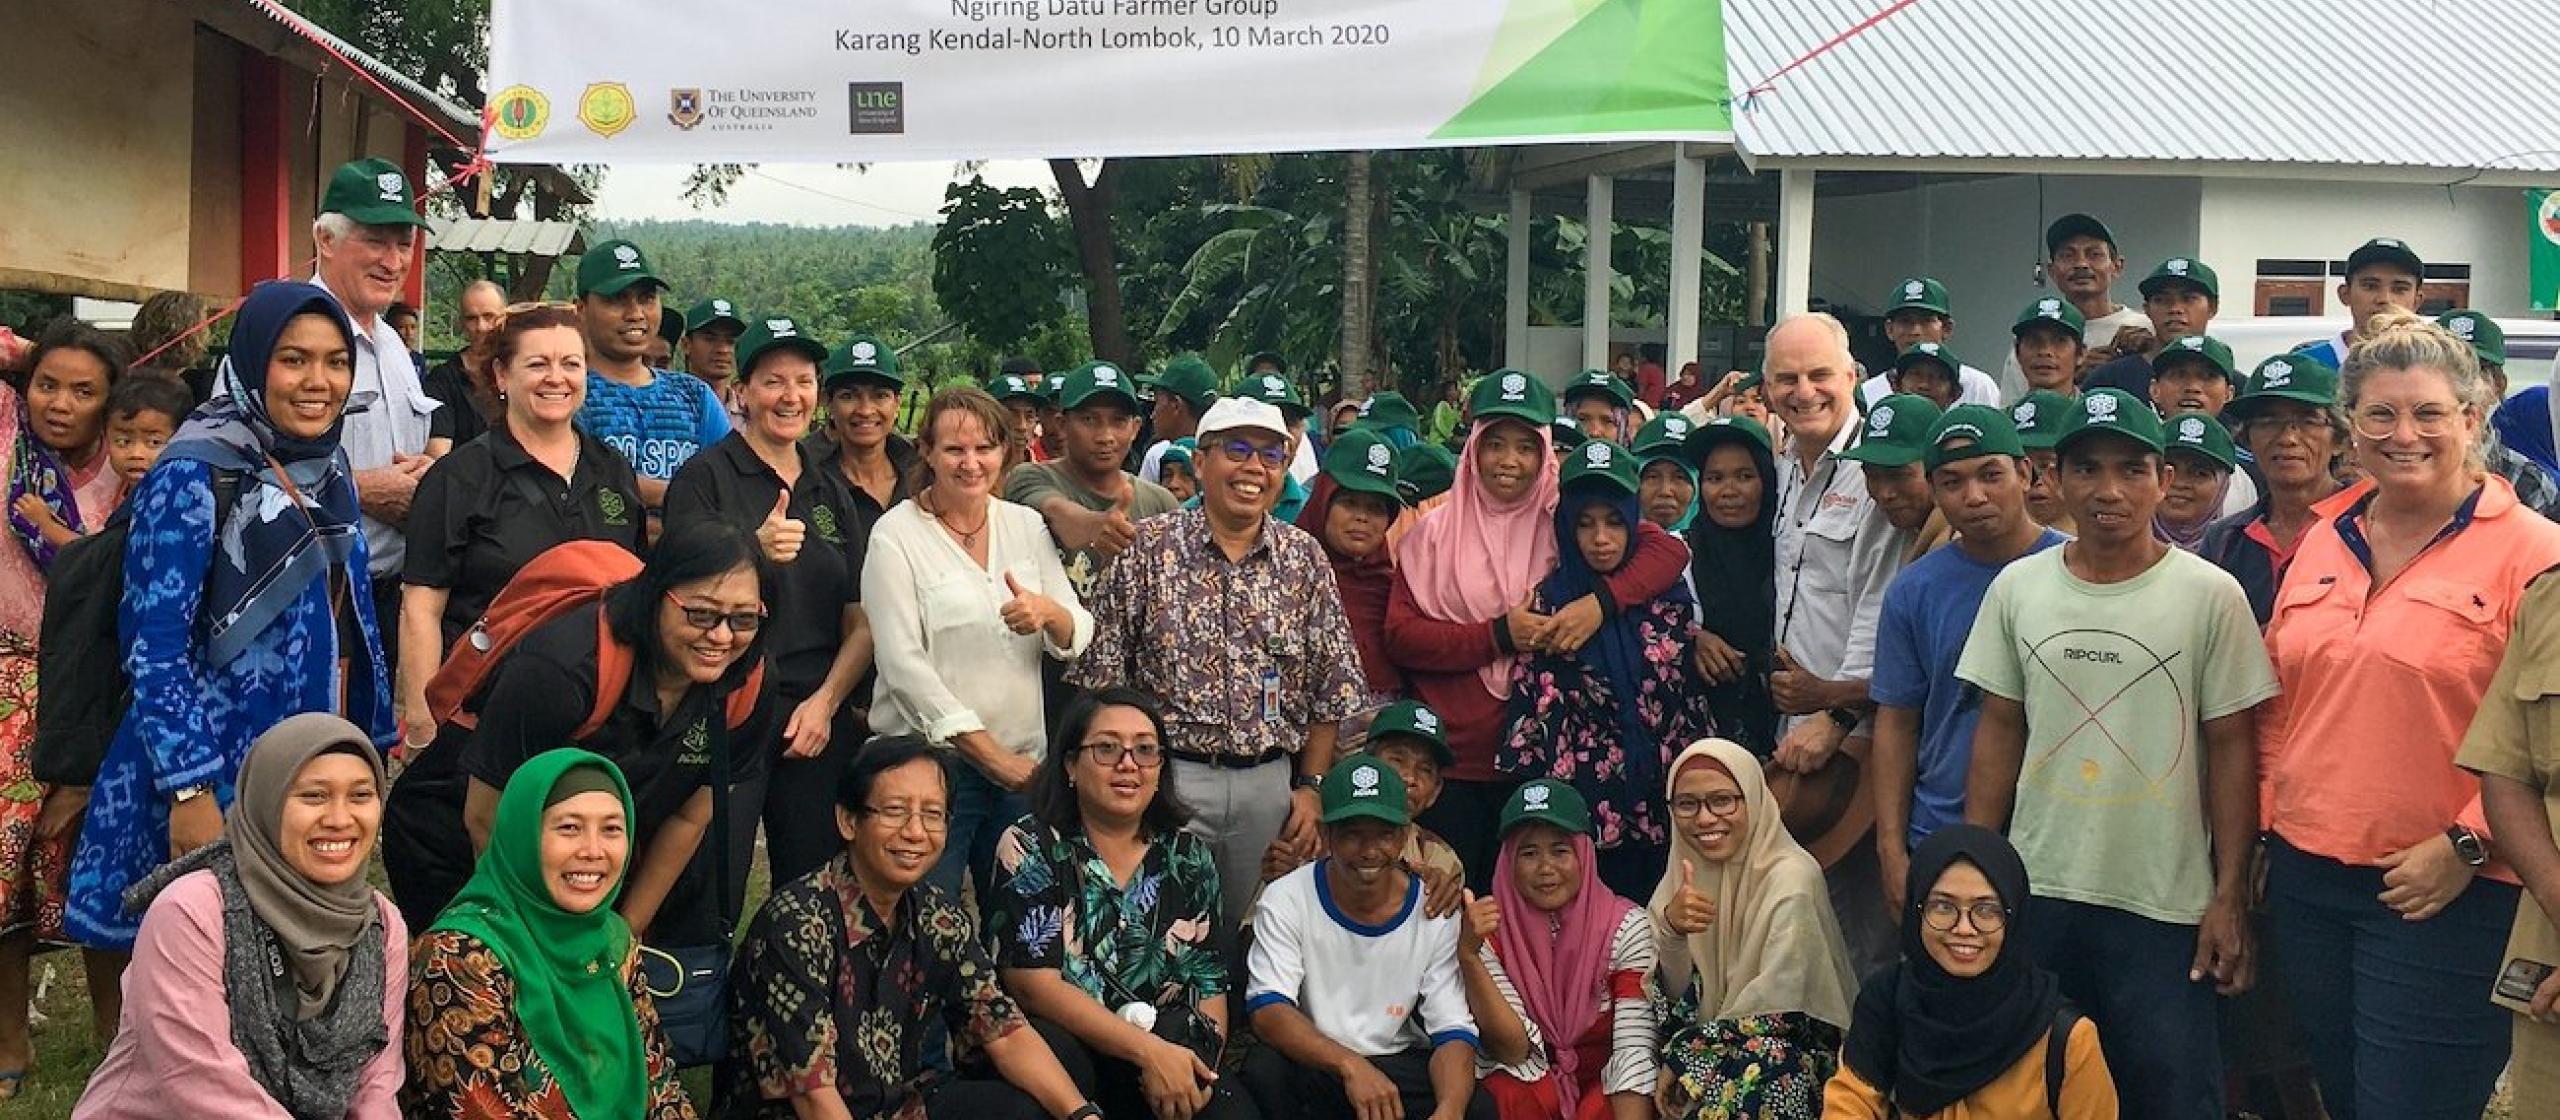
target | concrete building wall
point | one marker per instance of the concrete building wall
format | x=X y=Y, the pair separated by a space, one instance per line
x=213 y=184
x=100 y=133
x=2247 y=220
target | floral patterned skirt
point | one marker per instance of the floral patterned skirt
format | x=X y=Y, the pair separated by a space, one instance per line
x=34 y=873
x=1761 y=1067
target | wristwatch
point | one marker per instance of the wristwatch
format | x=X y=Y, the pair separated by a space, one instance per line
x=190 y=793
x=1302 y=781
x=2468 y=845
x=1090 y=1111
x=1847 y=718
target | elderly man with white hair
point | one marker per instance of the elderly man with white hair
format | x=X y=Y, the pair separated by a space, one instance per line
x=366 y=239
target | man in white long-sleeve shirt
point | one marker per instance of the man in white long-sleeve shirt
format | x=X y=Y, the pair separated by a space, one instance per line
x=1354 y=993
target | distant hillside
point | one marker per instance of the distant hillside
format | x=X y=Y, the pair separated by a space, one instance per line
x=835 y=280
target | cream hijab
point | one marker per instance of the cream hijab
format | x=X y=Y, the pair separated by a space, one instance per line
x=1775 y=945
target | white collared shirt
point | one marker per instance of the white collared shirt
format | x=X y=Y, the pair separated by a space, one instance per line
x=395 y=424
x=1836 y=551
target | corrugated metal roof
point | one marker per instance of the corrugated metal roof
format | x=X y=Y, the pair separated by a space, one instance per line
x=2456 y=85
x=497 y=235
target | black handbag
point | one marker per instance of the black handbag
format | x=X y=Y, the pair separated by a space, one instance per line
x=690 y=983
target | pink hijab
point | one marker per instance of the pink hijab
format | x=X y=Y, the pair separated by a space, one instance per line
x=1475 y=558
x=1562 y=977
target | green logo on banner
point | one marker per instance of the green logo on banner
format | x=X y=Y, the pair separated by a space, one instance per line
x=2542 y=253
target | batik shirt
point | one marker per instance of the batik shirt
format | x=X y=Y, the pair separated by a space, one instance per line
x=1056 y=905
x=1246 y=654
x=467 y=1051
x=825 y=996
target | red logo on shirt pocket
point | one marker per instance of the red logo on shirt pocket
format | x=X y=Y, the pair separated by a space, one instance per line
x=1396 y=1010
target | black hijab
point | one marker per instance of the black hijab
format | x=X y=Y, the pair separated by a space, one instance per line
x=1735 y=572
x=1927 y=1039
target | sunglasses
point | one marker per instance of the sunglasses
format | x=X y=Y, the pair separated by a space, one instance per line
x=708 y=619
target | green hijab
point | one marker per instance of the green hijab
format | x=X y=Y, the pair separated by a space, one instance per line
x=570 y=992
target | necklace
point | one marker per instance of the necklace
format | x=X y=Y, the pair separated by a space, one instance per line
x=968 y=537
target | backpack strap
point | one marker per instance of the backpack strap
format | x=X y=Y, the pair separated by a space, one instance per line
x=2057 y=1054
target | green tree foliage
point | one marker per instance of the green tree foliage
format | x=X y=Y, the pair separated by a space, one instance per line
x=1001 y=263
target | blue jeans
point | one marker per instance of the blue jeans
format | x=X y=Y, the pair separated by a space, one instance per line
x=2396 y=1012
x=980 y=813
x=2128 y=974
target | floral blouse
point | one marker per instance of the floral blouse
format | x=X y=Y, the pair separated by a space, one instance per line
x=467 y=1054
x=1758 y=1067
x=1056 y=905
x=1565 y=725
x=824 y=997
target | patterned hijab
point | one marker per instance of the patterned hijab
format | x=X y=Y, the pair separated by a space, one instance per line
x=570 y=992
x=278 y=538
x=35 y=469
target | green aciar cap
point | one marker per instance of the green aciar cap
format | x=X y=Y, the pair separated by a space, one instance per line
x=1509 y=392
x=2386 y=251
x=2287 y=377
x=1425 y=471
x=1730 y=429
x=1566 y=435
x=1388 y=410
x=1919 y=352
x=1599 y=381
x=1189 y=378
x=2111 y=410
x=613 y=266
x=2487 y=339
x=1666 y=437
x=1990 y=431
x=1750 y=381
x=863 y=357
x=1897 y=433
x=1361 y=786
x=670 y=325
x=1920 y=293
x=2182 y=270
x=2200 y=433
x=2054 y=310
x=372 y=192
x=2038 y=417
x=1363 y=461
x=1412 y=720
x=1546 y=801
x=714 y=312
x=1275 y=390
x=2196 y=348
x=1095 y=382
x=1011 y=386
x=1601 y=463
x=776 y=332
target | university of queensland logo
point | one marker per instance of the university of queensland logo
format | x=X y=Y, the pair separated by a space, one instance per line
x=684 y=108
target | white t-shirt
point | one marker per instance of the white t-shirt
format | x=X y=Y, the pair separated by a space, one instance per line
x=2098 y=332
x=1374 y=990
x=395 y=423
x=1972 y=387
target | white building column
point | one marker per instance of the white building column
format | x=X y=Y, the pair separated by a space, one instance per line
x=1688 y=254
x=1600 y=221
x=1795 y=244
x=1515 y=284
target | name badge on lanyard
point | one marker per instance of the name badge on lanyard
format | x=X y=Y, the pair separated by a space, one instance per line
x=1271 y=646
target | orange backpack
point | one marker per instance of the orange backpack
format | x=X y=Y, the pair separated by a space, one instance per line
x=565 y=577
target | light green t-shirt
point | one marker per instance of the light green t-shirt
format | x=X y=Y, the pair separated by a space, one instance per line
x=2118 y=680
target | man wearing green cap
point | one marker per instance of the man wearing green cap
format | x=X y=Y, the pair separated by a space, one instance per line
x=1929 y=370
x=1924 y=719
x=2288 y=415
x=2119 y=681
x=1023 y=405
x=1184 y=389
x=2048 y=349
x=2039 y=417
x=2180 y=297
x=2083 y=264
x=2383 y=274
x=2195 y=374
x=656 y=422
x=1917 y=312
x=366 y=240
x=710 y=343
x=1354 y=992
x=1093 y=507
x=1409 y=737
x=1891 y=453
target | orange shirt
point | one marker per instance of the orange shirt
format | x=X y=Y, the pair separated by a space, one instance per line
x=2355 y=759
x=2088 y=1093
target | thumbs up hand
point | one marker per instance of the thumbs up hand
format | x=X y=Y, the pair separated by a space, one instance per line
x=1483 y=920
x=1028 y=611
x=1689 y=911
x=780 y=536
x=1117 y=531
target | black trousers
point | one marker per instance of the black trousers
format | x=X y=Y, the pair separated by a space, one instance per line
x=1285 y=1090
x=794 y=800
x=1115 y=1085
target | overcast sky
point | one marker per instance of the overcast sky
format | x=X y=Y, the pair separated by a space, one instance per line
x=885 y=194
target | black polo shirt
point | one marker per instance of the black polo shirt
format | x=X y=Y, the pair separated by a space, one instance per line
x=805 y=606
x=487 y=508
x=458 y=419
x=903 y=460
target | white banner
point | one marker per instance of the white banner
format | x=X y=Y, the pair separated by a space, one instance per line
x=713 y=81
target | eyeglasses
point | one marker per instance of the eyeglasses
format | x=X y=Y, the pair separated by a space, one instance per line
x=2381 y=421
x=1942 y=914
x=1241 y=451
x=1720 y=804
x=898 y=817
x=1147 y=756
x=2299 y=425
x=708 y=619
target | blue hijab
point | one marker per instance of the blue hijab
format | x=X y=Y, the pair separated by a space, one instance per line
x=2523 y=423
x=1687 y=516
x=1616 y=652
x=271 y=547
